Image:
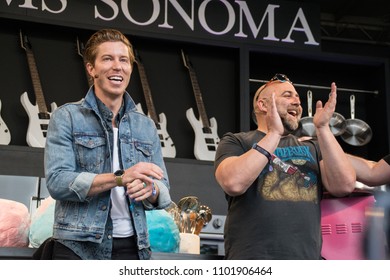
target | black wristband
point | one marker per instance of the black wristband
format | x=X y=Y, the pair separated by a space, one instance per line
x=263 y=151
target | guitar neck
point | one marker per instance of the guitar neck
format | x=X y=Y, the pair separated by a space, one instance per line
x=147 y=93
x=80 y=51
x=199 y=99
x=40 y=100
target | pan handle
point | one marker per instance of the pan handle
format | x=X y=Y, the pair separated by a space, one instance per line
x=352 y=101
x=309 y=103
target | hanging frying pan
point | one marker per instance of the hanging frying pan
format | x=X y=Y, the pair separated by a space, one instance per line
x=337 y=124
x=308 y=128
x=357 y=132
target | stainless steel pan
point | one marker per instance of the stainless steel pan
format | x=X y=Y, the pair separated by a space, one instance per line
x=357 y=132
x=337 y=124
x=307 y=125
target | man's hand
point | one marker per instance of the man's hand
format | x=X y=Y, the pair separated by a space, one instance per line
x=273 y=120
x=323 y=114
x=144 y=171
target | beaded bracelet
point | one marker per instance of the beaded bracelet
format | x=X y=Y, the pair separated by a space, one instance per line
x=154 y=191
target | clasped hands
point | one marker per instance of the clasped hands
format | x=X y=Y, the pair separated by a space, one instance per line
x=139 y=180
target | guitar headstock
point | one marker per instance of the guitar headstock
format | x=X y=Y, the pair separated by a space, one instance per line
x=24 y=42
x=186 y=60
x=80 y=47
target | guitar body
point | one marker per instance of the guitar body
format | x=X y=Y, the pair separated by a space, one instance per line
x=5 y=135
x=38 y=124
x=206 y=139
x=206 y=136
x=139 y=108
x=167 y=146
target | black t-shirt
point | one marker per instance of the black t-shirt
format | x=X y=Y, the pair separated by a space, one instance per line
x=279 y=216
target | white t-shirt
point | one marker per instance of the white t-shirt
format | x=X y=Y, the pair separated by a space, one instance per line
x=120 y=214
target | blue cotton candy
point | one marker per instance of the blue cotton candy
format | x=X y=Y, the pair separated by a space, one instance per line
x=163 y=232
x=42 y=223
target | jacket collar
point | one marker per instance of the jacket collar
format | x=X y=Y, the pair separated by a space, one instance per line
x=90 y=101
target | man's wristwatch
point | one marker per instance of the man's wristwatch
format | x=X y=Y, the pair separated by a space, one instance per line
x=118 y=177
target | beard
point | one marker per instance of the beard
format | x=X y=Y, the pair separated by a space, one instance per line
x=290 y=124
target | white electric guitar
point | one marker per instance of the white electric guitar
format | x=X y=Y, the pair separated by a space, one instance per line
x=38 y=114
x=167 y=146
x=5 y=135
x=206 y=137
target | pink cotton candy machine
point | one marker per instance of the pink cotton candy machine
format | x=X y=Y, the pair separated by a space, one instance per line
x=343 y=226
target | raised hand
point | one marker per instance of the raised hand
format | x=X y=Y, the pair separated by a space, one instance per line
x=324 y=113
x=273 y=120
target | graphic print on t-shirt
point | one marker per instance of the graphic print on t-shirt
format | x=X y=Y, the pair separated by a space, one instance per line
x=292 y=177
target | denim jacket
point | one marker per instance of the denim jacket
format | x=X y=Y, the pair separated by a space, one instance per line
x=78 y=147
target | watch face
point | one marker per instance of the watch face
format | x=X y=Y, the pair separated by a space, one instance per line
x=119 y=172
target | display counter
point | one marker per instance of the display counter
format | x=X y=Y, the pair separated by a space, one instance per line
x=13 y=253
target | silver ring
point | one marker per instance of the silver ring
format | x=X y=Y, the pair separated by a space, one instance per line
x=144 y=184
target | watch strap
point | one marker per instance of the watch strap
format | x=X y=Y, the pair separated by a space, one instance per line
x=118 y=177
x=118 y=180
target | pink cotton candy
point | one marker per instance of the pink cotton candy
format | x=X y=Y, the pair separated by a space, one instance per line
x=14 y=224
